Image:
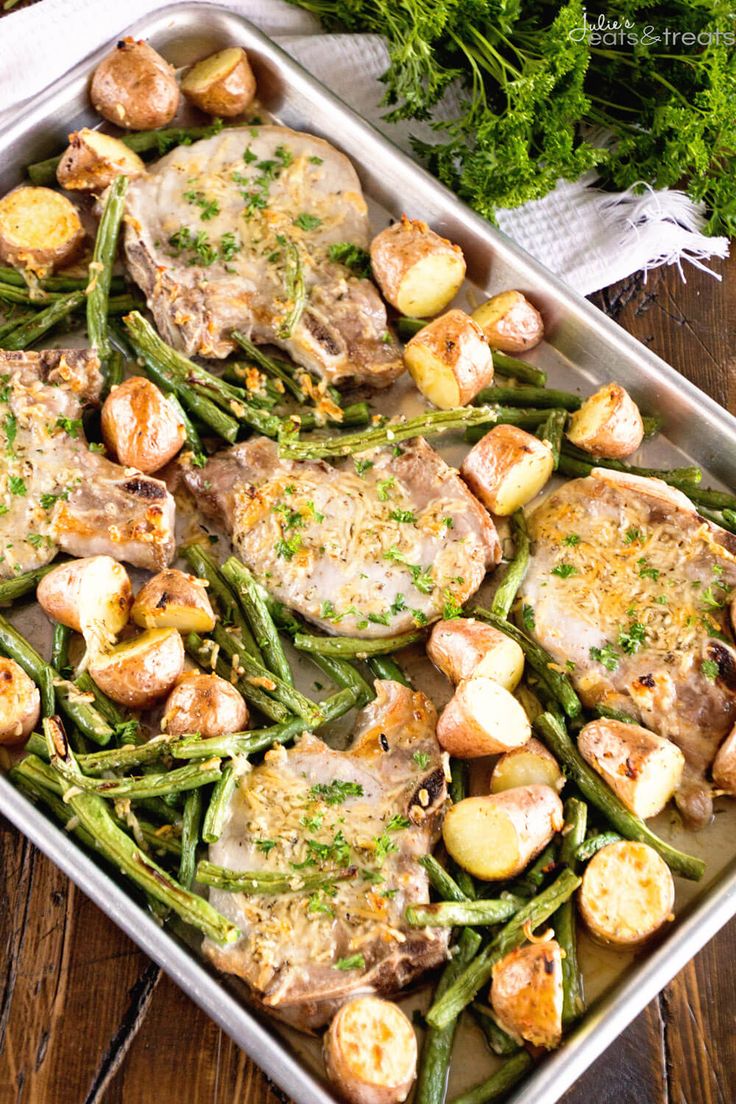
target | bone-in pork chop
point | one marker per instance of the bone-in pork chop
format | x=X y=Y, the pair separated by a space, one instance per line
x=632 y=586
x=374 y=809
x=373 y=546
x=220 y=235
x=55 y=492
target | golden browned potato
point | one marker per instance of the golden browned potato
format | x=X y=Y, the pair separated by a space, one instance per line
x=607 y=424
x=627 y=893
x=507 y=468
x=530 y=765
x=140 y=426
x=642 y=769
x=497 y=836
x=724 y=764
x=510 y=322
x=221 y=84
x=138 y=672
x=92 y=160
x=174 y=600
x=206 y=704
x=526 y=993
x=481 y=718
x=417 y=271
x=92 y=596
x=464 y=647
x=20 y=703
x=450 y=360
x=370 y=1052
x=134 y=87
x=39 y=229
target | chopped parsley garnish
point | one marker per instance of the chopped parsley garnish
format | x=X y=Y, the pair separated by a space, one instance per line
x=208 y=208
x=36 y=539
x=564 y=570
x=631 y=638
x=383 y=486
x=647 y=572
x=419 y=616
x=287 y=549
x=249 y=156
x=709 y=601
x=607 y=656
x=48 y=500
x=633 y=535
x=451 y=607
x=314 y=160
x=421 y=758
x=571 y=540
x=265 y=845
x=385 y=846
x=184 y=241
x=229 y=246
x=96 y=446
x=362 y=466
x=17 y=486
x=352 y=962
x=398 y=604
x=403 y=515
x=72 y=426
x=710 y=669
x=10 y=426
x=527 y=618
x=354 y=257
x=397 y=823
x=336 y=791
x=305 y=221
x=661 y=599
x=312 y=823
x=328 y=610
x=317 y=906
x=380 y=618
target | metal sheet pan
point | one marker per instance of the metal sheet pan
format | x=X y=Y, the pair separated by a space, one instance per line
x=583 y=347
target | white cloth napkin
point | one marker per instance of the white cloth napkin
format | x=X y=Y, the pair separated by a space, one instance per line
x=588 y=237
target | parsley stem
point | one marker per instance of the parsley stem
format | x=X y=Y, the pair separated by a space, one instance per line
x=354 y=646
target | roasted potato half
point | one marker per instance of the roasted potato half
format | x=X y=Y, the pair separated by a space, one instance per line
x=206 y=704
x=174 y=600
x=642 y=769
x=92 y=160
x=20 y=703
x=510 y=322
x=134 y=87
x=526 y=993
x=221 y=84
x=370 y=1052
x=507 y=468
x=450 y=360
x=497 y=836
x=39 y=229
x=607 y=424
x=464 y=647
x=92 y=596
x=481 y=718
x=140 y=426
x=417 y=271
x=627 y=893
x=724 y=764
x=138 y=672
x=530 y=765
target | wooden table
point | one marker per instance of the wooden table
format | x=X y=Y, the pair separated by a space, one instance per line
x=86 y=1018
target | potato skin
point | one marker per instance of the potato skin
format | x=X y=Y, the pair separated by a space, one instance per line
x=139 y=672
x=39 y=229
x=642 y=769
x=206 y=704
x=526 y=993
x=510 y=322
x=92 y=596
x=370 y=1052
x=507 y=468
x=92 y=160
x=226 y=92
x=401 y=247
x=607 y=424
x=134 y=87
x=173 y=600
x=140 y=427
x=20 y=703
x=460 y=647
x=535 y=760
x=724 y=764
x=482 y=718
x=627 y=893
x=456 y=344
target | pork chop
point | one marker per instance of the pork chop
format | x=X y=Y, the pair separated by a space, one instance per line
x=219 y=234
x=54 y=492
x=630 y=585
x=373 y=546
x=375 y=807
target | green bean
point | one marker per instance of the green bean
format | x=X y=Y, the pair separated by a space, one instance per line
x=296 y=289
x=13 y=322
x=272 y=367
x=591 y=846
x=180 y=780
x=384 y=667
x=219 y=805
x=354 y=646
x=507 y=415
x=573 y=1001
x=540 y=661
x=707 y=496
x=15 y=646
x=193 y=440
x=531 y=881
x=452 y=914
x=503 y=599
x=34 y=328
x=441 y=880
x=729 y=518
x=259 y=618
x=275 y=687
x=80 y=712
x=614 y=714
x=574 y=465
x=595 y=790
x=407 y=327
x=718 y=517
x=60 y=646
x=518 y=369
x=200 y=651
x=458 y=790
x=431 y=423
x=161 y=841
x=203 y=565
x=190 y=826
x=18 y=587
x=434 y=1063
x=114 y=370
x=498 y=1040
x=54 y=283
x=552 y=431
x=110 y=710
x=259 y=881
x=58 y=808
x=119 y=849
x=498 y=1084
x=157 y=807
x=100 y=269
x=512 y=935
x=355 y=414
x=529 y=396
x=129 y=756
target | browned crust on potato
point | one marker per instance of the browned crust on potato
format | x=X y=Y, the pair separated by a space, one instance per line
x=206 y=704
x=490 y=460
x=227 y=95
x=400 y=246
x=140 y=427
x=84 y=168
x=620 y=430
x=459 y=343
x=517 y=325
x=134 y=87
x=52 y=220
